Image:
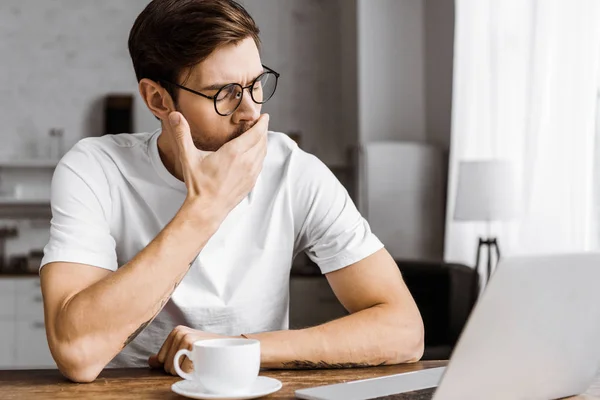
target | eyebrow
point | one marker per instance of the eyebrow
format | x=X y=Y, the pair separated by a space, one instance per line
x=217 y=86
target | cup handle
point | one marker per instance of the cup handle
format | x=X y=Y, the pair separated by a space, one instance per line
x=180 y=372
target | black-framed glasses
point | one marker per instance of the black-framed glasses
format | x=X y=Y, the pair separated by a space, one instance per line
x=230 y=96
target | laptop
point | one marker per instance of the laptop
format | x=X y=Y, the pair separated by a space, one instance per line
x=534 y=334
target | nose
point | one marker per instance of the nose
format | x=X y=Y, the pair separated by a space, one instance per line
x=248 y=110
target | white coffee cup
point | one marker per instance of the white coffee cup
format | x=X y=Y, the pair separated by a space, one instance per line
x=222 y=366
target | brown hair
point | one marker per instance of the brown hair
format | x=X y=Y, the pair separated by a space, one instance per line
x=172 y=35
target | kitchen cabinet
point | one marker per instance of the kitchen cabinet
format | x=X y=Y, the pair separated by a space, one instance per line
x=7 y=339
x=7 y=299
x=32 y=346
x=23 y=343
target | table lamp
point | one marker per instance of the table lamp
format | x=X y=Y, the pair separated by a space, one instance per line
x=485 y=193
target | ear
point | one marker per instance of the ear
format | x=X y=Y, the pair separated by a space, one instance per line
x=157 y=99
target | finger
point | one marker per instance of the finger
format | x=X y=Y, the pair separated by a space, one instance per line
x=153 y=362
x=175 y=346
x=180 y=130
x=187 y=365
x=187 y=342
x=259 y=144
x=162 y=353
x=252 y=136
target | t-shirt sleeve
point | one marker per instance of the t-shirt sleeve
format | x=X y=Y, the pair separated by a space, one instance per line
x=80 y=202
x=331 y=230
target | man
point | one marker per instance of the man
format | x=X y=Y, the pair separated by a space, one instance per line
x=161 y=239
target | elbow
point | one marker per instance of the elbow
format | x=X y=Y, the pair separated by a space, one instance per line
x=74 y=364
x=416 y=345
x=79 y=357
x=414 y=338
x=409 y=343
x=80 y=374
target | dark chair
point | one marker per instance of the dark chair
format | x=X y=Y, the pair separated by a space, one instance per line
x=445 y=294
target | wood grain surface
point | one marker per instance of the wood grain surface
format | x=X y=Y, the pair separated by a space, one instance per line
x=117 y=384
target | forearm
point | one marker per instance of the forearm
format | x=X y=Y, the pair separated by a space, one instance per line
x=96 y=323
x=374 y=336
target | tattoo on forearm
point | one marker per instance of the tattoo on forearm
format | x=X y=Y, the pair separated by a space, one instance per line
x=137 y=332
x=165 y=300
x=297 y=364
x=143 y=326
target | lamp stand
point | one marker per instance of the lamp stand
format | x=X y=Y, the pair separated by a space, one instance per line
x=489 y=243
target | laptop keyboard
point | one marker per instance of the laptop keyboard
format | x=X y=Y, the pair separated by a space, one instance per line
x=425 y=394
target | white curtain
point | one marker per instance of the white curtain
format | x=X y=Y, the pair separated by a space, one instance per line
x=525 y=90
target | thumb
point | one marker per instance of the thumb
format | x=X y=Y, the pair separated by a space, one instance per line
x=181 y=134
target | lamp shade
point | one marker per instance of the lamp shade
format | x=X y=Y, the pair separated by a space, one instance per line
x=486 y=191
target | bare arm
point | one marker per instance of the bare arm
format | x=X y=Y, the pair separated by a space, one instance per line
x=91 y=314
x=384 y=327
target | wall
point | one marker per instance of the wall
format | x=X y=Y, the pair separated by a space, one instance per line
x=61 y=57
x=348 y=73
x=405 y=86
x=439 y=57
x=58 y=59
x=391 y=51
x=439 y=62
x=301 y=40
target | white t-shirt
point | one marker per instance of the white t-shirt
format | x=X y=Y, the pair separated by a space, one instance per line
x=112 y=195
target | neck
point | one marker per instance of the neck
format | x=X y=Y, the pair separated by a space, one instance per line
x=168 y=156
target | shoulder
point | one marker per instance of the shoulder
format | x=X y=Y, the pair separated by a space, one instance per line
x=98 y=150
x=284 y=151
x=92 y=160
x=280 y=146
x=112 y=143
x=307 y=177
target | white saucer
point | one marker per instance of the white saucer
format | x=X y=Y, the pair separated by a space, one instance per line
x=263 y=386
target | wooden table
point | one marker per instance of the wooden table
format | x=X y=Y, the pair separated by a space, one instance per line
x=144 y=383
